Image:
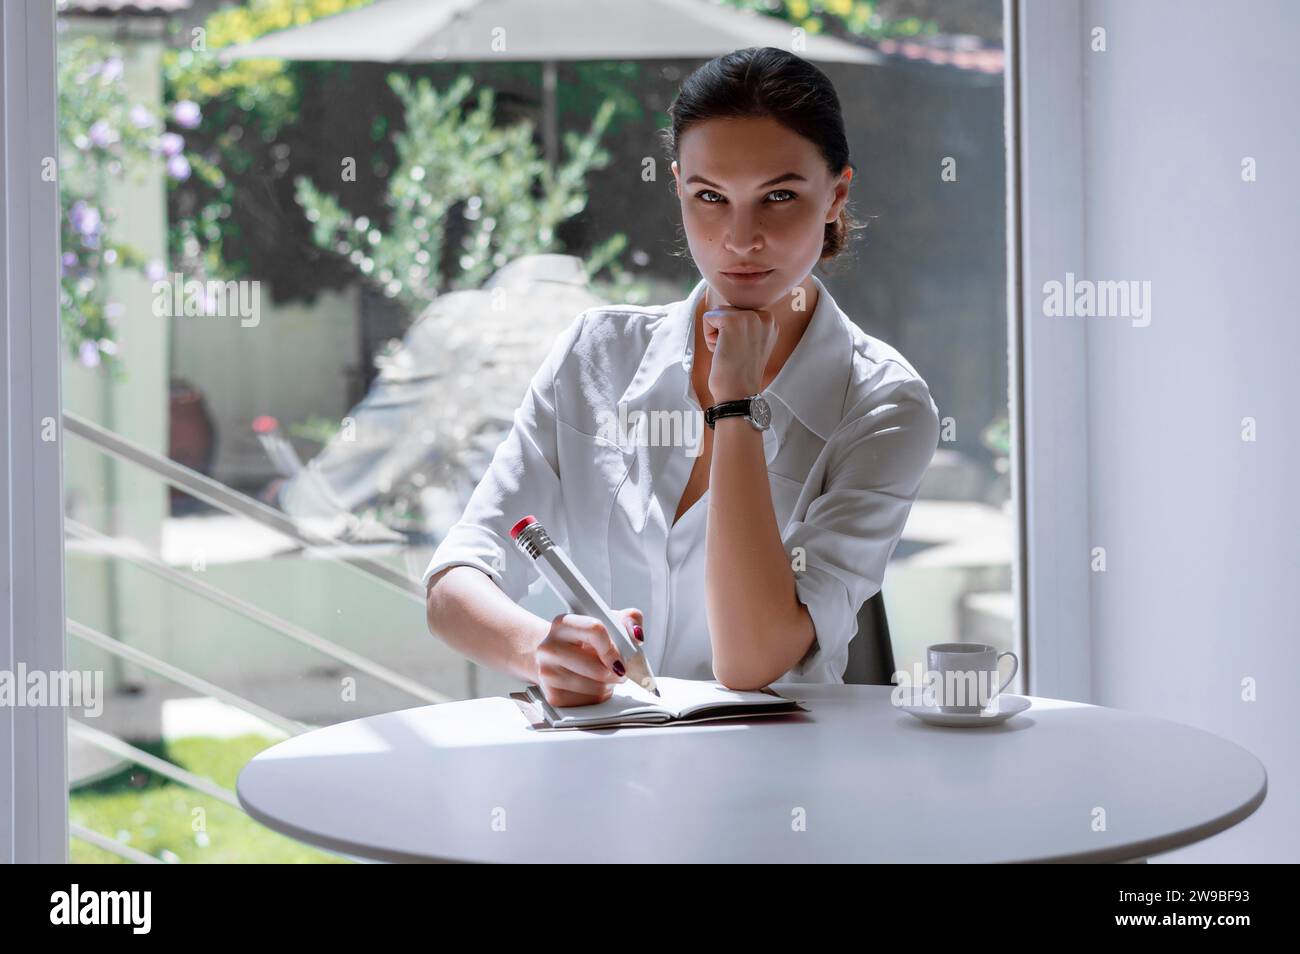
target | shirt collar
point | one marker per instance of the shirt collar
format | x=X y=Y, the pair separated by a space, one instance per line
x=812 y=383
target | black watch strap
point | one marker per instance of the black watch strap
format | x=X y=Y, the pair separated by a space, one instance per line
x=739 y=408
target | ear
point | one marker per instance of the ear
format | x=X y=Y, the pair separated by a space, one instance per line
x=677 y=177
x=841 y=194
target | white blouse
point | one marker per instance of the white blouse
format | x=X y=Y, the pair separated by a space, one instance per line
x=604 y=442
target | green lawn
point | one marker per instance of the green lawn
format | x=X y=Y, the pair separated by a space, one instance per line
x=155 y=815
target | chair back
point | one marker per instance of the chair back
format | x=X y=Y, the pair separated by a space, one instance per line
x=871 y=653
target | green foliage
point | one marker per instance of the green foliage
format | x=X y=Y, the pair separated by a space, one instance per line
x=454 y=163
x=153 y=814
x=102 y=137
x=504 y=201
x=316 y=428
x=859 y=18
x=244 y=100
x=260 y=86
x=996 y=436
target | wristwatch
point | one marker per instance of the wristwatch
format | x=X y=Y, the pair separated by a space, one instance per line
x=753 y=409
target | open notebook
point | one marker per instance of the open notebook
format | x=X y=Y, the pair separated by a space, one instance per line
x=682 y=701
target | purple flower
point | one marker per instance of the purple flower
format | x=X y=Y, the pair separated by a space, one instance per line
x=102 y=134
x=112 y=69
x=69 y=259
x=171 y=143
x=141 y=117
x=187 y=114
x=90 y=354
x=178 y=167
x=154 y=271
x=85 y=218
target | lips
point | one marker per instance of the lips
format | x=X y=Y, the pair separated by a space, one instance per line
x=747 y=272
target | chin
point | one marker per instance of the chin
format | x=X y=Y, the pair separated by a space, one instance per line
x=742 y=296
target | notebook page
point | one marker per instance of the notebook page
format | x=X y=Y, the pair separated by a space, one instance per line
x=628 y=699
x=683 y=696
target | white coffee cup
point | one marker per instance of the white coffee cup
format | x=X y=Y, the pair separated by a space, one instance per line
x=968 y=671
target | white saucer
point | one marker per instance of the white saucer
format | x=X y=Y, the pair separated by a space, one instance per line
x=1003 y=707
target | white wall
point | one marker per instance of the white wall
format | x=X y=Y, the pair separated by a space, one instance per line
x=1201 y=528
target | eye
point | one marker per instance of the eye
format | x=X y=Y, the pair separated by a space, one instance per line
x=703 y=192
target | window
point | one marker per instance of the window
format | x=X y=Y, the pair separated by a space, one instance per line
x=283 y=299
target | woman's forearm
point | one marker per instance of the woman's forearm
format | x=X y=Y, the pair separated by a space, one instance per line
x=471 y=614
x=758 y=627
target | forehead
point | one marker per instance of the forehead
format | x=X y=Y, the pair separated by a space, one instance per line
x=748 y=148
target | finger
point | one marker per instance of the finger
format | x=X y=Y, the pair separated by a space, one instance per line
x=596 y=636
x=564 y=697
x=580 y=659
x=581 y=662
x=558 y=676
x=715 y=319
x=589 y=633
x=635 y=621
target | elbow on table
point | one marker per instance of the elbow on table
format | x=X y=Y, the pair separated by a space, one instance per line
x=738 y=683
x=742 y=679
x=754 y=674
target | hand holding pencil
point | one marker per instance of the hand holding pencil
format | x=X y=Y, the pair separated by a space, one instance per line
x=589 y=641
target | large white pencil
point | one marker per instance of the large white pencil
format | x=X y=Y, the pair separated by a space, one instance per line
x=572 y=587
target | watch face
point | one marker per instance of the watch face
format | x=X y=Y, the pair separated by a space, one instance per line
x=760 y=413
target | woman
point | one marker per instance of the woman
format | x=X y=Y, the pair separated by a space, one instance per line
x=744 y=548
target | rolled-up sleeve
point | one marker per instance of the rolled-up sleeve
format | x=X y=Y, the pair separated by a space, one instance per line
x=841 y=546
x=522 y=478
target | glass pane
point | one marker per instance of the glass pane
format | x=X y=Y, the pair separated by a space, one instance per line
x=293 y=346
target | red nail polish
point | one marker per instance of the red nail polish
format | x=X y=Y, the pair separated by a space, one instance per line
x=638 y=633
x=619 y=668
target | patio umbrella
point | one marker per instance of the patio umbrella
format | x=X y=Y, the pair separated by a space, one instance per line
x=549 y=31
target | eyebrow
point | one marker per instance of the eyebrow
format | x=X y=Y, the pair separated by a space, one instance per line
x=762 y=185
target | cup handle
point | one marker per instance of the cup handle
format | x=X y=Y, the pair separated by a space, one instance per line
x=1014 y=669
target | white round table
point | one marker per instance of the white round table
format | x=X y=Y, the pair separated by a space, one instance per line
x=854 y=779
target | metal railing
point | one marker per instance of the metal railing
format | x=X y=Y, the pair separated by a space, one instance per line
x=188 y=679
x=141 y=557
x=113 y=846
x=240 y=505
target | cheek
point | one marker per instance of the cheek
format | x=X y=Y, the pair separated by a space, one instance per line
x=698 y=220
x=702 y=229
x=808 y=231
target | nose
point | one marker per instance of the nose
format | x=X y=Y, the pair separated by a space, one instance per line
x=744 y=233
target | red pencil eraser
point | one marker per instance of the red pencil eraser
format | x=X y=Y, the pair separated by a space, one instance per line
x=514 y=531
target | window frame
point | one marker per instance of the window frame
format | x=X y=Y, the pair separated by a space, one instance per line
x=1046 y=177
x=33 y=740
